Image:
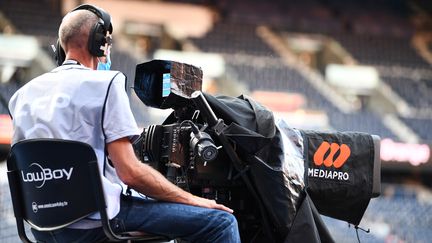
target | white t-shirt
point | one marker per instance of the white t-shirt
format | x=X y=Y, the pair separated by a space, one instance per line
x=68 y=103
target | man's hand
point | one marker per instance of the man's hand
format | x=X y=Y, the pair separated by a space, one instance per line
x=207 y=203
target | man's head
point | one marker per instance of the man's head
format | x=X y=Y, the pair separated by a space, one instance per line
x=85 y=32
x=75 y=29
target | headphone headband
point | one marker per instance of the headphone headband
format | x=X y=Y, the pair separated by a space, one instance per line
x=104 y=16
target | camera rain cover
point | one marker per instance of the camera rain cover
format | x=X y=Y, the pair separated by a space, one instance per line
x=166 y=84
x=341 y=169
x=341 y=172
x=259 y=141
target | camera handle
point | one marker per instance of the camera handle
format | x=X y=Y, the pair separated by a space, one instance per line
x=202 y=105
x=218 y=126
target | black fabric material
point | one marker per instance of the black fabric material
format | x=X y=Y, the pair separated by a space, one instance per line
x=308 y=225
x=250 y=124
x=252 y=128
x=274 y=190
x=346 y=195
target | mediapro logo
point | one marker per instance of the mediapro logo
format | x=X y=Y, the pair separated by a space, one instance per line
x=36 y=173
x=330 y=160
x=326 y=155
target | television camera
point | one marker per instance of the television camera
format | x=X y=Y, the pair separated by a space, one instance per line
x=278 y=179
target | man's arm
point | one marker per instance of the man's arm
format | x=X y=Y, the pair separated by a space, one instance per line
x=144 y=179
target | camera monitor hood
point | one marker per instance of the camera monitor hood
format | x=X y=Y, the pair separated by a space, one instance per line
x=166 y=84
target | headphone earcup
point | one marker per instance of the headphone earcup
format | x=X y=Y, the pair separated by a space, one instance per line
x=59 y=54
x=96 y=40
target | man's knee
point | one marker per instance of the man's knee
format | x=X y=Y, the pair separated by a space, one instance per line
x=232 y=219
x=229 y=220
x=227 y=224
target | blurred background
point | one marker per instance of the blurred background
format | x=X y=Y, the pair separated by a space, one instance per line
x=335 y=65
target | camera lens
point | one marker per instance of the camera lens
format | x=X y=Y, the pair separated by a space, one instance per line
x=208 y=152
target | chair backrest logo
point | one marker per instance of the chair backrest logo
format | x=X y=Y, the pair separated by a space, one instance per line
x=331 y=150
x=41 y=175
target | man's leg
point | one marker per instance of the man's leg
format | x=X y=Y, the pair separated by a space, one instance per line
x=173 y=220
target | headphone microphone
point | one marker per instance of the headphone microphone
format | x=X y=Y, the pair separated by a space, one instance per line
x=98 y=38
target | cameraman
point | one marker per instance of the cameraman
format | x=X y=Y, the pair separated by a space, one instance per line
x=77 y=102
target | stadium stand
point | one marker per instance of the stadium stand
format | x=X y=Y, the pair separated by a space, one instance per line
x=126 y=63
x=374 y=32
x=39 y=18
x=415 y=92
x=421 y=126
x=382 y=50
x=401 y=214
x=234 y=38
x=6 y=91
x=276 y=76
x=388 y=45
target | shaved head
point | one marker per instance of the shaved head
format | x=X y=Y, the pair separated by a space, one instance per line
x=75 y=28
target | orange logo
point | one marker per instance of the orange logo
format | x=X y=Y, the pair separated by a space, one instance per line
x=319 y=159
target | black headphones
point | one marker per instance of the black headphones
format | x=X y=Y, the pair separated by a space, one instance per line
x=97 y=35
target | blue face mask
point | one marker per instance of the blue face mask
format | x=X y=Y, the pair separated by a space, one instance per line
x=104 y=65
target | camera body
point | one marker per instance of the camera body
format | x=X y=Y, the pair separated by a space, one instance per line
x=182 y=142
x=175 y=145
x=164 y=144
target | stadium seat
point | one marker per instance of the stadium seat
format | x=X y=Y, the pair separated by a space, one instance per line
x=55 y=183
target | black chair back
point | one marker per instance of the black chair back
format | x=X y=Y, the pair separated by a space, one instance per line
x=55 y=183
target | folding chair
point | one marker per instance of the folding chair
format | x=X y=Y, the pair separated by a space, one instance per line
x=55 y=183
